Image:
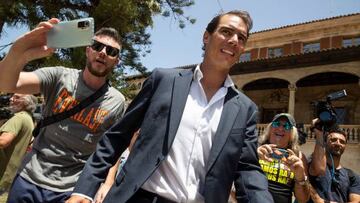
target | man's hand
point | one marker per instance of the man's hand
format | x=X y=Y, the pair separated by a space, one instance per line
x=32 y=45
x=318 y=133
x=26 y=48
x=77 y=199
x=101 y=194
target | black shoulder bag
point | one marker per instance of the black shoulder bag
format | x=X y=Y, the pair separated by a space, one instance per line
x=65 y=114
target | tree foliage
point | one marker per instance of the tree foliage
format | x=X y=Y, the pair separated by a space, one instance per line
x=130 y=17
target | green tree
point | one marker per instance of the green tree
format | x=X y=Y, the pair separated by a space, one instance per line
x=130 y=17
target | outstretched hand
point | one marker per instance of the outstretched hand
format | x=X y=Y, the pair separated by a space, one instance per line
x=32 y=45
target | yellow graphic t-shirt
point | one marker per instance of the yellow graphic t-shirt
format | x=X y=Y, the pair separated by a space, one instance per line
x=281 y=179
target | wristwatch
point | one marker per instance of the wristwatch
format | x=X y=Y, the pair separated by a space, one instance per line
x=303 y=182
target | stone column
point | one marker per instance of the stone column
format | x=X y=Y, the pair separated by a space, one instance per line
x=291 y=108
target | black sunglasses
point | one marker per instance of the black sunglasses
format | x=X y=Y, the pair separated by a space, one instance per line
x=110 y=51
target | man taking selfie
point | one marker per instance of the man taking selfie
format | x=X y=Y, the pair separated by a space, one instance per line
x=49 y=172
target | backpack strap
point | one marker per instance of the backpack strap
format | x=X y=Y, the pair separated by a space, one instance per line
x=66 y=114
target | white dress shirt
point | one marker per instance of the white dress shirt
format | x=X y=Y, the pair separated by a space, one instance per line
x=181 y=176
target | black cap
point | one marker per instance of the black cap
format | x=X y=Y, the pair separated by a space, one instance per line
x=287 y=116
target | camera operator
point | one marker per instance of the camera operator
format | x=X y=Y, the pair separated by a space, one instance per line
x=15 y=136
x=332 y=181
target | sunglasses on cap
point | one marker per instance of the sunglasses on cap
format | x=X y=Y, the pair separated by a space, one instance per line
x=110 y=51
x=287 y=126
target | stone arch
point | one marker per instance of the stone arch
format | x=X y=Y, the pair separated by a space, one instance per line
x=270 y=94
x=327 y=78
x=318 y=85
x=265 y=83
x=333 y=69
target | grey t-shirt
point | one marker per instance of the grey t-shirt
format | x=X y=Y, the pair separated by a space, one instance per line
x=61 y=149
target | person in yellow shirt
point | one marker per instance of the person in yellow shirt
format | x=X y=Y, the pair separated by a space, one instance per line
x=281 y=160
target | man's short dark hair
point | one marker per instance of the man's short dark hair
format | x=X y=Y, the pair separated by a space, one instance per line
x=339 y=131
x=244 y=15
x=110 y=32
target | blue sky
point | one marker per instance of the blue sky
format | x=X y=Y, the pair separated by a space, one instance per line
x=172 y=46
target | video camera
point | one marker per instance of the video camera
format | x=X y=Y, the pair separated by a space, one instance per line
x=326 y=113
x=5 y=113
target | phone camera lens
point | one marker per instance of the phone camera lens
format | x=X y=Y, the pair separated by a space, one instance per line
x=83 y=24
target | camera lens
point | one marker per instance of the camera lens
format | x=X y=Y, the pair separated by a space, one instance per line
x=325 y=116
x=83 y=24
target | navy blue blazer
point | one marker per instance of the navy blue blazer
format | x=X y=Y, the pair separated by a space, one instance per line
x=157 y=111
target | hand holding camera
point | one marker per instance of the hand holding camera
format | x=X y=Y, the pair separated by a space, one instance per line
x=269 y=152
x=281 y=154
x=264 y=151
x=326 y=112
x=326 y=117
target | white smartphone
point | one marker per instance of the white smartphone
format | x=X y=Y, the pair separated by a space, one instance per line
x=75 y=33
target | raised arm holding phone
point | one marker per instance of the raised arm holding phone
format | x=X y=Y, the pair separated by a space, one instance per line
x=49 y=172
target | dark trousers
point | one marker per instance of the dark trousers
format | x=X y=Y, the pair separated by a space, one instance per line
x=23 y=191
x=144 y=196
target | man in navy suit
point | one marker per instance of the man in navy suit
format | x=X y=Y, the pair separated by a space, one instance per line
x=197 y=132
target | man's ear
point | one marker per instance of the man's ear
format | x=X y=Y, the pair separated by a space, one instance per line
x=87 y=51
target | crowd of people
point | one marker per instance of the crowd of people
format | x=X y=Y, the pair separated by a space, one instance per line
x=320 y=178
x=192 y=134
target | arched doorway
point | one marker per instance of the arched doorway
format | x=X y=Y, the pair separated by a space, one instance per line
x=271 y=95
